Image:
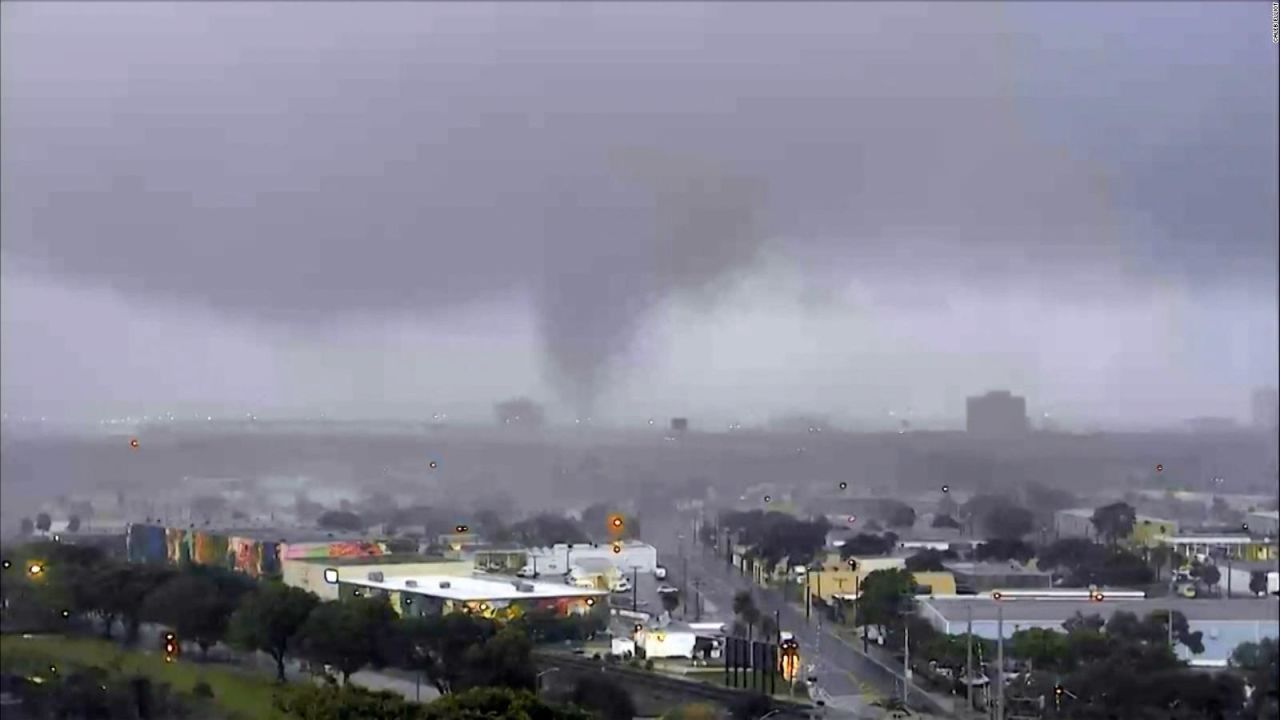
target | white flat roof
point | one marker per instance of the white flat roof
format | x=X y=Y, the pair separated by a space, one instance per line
x=1215 y=540
x=475 y=588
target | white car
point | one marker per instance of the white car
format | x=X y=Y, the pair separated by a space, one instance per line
x=526 y=572
x=623 y=585
x=664 y=589
x=660 y=572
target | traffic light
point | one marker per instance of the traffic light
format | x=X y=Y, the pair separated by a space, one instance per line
x=1097 y=596
x=171 y=648
x=997 y=595
x=1058 y=692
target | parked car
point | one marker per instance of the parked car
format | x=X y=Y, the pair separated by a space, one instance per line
x=660 y=572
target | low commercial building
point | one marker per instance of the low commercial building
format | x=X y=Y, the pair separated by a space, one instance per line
x=979 y=577
x=1225 y=624
x=836 y=579
x=1078 y=522
x=318 y=575
x=1237 y=547
x=595 y=572
x=498 y=558
x=1237 y=577
x=502 y=600
x=626 y=555
x=1264 y=522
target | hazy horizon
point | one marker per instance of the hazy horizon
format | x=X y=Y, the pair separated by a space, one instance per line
x=730 y=212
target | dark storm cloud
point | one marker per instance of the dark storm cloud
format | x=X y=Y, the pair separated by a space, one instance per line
x=300 y=162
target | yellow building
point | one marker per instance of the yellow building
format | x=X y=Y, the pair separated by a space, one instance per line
x=321 y=575
x=835 y=577
x=1147 y=531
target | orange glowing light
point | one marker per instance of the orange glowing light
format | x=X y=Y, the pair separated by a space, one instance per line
x=133 y=443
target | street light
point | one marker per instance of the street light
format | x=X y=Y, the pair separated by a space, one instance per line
x=538 y=679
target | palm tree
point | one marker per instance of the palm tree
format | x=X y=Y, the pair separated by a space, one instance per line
x=768 y=629
x=744 y=606
x=1160 y=556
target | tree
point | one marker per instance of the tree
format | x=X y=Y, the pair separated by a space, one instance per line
x=1258 y=662
x=864 y=544
x=1258 y=582
x=1045 y=649
x=1160 y=556
x=458 y=651
x=744 y=607
x=603 y=697
x=73 y=523
x=123 y=590
x=1114 y=521
x=882 y=592
x=348 y=634
x=769 y=628
x=28 y=526
x=1001 y=550
x=926 y=561
x=43 y=522
x=772 y=537
x=498 y=702
x=269 y=618
x=1085 y=563
x=670 y=601
x=1208 y=574
x=945 y=521
x=545 y=530
x=190 y=604
x=505 y=660
x=1008 y=522
x=309 y=702
x=897 y=514
x=341 y=520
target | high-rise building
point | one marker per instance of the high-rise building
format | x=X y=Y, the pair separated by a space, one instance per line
x=999 y=413
x=1266 y=408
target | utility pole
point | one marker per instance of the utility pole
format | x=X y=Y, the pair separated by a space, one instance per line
x=999 y=661
x=808 y=598
x=906 y=658
x=635 y=587
x=697 y=599
x=968 y=658
x=684 y=580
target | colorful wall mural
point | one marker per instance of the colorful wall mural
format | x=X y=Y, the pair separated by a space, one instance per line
x=177 y=546
x=342 y=549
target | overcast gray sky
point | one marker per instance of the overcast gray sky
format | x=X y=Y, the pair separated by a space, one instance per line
x=722 y=210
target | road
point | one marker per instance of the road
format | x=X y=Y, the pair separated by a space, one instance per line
x=847 y=678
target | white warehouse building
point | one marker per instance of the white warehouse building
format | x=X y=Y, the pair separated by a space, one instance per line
x=626 y=556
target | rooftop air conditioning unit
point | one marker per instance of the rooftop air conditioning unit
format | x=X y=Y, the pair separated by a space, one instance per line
x=375 y=576
x=445 y=584
x=411 y=583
